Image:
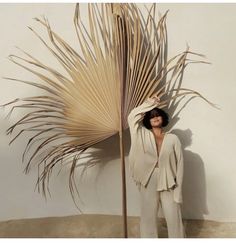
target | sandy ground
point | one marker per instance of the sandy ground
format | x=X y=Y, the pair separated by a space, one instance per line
x=105 y=226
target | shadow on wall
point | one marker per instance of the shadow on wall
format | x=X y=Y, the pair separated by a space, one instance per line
x=102 y=153
x=194 y=182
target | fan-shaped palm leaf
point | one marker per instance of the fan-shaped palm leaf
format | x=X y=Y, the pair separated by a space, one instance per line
x=122 y=62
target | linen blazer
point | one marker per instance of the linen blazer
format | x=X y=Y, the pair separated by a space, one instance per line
x=143 y=154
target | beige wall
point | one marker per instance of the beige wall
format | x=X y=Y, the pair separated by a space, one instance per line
x=208 y=135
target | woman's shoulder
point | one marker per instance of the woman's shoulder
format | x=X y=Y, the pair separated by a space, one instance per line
x=172 y=136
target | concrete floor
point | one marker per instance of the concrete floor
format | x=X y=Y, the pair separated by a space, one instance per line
x=105 y=226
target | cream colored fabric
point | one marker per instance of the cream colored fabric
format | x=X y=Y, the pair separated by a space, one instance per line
x=143 y=154
x=150 y=203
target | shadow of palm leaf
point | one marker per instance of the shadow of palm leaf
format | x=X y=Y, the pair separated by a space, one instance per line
x=122 y=61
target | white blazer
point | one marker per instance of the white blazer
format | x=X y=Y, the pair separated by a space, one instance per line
x=143 y=154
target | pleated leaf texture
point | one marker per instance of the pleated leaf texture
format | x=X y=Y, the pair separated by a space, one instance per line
x=122 y=62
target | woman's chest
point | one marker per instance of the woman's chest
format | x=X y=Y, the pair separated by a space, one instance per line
x=160 y=148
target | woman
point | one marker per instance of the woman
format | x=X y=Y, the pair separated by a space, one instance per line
x=156 y=165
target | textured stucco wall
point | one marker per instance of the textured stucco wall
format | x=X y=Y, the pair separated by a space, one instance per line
x=208 y=135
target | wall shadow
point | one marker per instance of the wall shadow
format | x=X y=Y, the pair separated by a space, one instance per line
x=194 y=182
x=105 y=151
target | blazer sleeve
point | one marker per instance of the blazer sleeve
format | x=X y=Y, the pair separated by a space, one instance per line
x=180 y=171
x=136 y=115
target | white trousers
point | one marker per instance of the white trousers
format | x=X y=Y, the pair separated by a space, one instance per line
x=151 y=199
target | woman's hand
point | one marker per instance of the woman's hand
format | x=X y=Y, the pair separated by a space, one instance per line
x=156 y=99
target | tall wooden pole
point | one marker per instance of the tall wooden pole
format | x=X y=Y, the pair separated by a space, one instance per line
x=121 y=54
x=124 y=200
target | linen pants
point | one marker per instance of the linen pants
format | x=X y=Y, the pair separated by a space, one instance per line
x=151 y=199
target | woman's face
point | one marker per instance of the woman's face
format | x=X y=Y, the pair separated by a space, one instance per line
x=156 y=121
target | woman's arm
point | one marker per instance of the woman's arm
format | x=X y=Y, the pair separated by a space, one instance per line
x=180 y=171
x=137 y=113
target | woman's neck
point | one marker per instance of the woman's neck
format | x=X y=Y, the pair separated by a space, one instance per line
x=157 y=131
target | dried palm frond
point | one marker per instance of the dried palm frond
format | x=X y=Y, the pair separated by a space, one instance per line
x=122 y=62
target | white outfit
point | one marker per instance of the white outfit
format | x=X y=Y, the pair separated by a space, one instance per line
x=143 y=154
x=151 y=199
x=162 y=184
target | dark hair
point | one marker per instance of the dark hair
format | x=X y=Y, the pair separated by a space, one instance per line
x=153 y=113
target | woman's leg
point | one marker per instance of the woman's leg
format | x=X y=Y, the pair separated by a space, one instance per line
x=173 y=215
x=149 y=208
